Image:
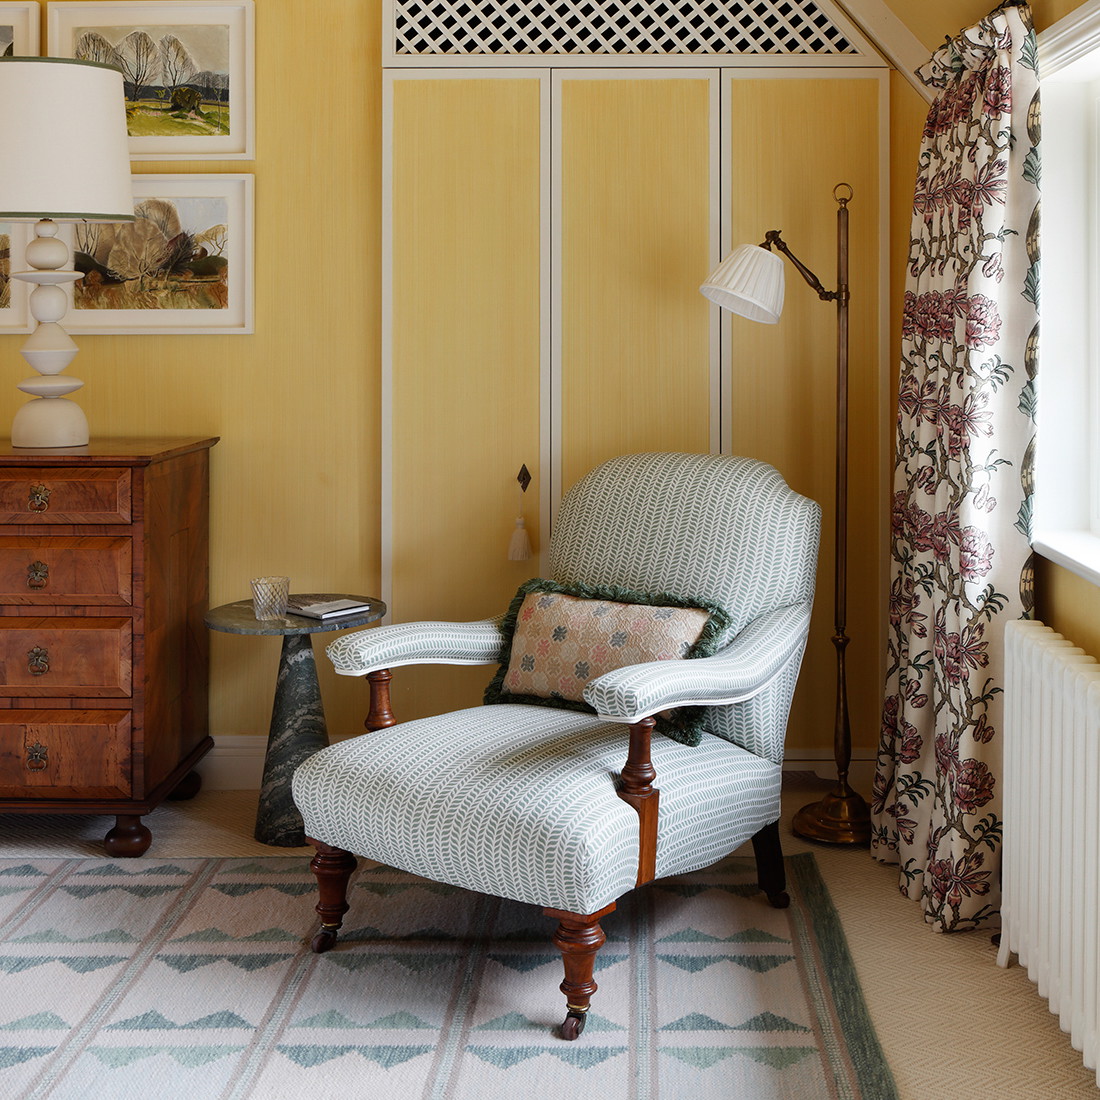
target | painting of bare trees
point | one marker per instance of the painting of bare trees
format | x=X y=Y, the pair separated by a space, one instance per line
x=187 y=70
x=176 y=78
x=182 y=265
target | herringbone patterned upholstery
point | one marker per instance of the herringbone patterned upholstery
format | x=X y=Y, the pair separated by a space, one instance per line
x=520 y=801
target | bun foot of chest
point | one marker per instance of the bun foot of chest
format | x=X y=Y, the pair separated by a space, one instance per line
x=128 y=839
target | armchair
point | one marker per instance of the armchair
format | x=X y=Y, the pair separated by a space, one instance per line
x=566 y=809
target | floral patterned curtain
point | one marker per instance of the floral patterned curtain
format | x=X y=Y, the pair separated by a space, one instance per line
x=962 y=482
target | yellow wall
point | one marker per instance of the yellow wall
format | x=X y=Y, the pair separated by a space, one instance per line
x=295 y=478
x=932 y=20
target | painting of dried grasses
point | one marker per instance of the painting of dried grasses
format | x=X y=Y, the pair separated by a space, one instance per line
x=172 y=256
x=5 y=268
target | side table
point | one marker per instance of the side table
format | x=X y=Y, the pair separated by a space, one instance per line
x=297 y=716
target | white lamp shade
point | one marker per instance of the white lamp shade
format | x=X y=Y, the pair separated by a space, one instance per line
x=64 y=152
x=749 y=282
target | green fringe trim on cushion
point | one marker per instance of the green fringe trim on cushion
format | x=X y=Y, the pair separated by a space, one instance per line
x=684 y=724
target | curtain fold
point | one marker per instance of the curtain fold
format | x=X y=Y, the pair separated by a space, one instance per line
x=961 y=557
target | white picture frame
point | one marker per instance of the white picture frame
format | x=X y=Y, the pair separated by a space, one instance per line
x=210 y=48
x=19 y=29
x=206 y=220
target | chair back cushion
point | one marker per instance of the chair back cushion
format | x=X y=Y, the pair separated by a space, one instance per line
x=715 y=529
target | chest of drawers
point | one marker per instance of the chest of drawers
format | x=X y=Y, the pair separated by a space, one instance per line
x=103 y=652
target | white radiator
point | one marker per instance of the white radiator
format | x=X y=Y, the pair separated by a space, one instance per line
x=1050 y=908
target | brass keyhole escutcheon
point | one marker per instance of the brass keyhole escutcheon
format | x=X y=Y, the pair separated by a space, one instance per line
x=39 y=498
x=37 y=757
x=38 y=574
x=38 y=661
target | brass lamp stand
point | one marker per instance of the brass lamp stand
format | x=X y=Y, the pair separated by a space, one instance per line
x=745 y=283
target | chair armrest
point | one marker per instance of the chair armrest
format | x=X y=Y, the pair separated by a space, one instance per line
x=743 y=669
x=430 y=643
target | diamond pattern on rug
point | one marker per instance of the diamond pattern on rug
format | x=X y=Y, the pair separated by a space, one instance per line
x=193 y=977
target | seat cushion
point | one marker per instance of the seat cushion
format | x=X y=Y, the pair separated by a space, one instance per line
x=519 y=802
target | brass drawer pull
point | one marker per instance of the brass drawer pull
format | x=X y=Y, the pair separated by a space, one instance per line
x=38 y=574
x=38 y=661
x=37 y=757
x=39 y=498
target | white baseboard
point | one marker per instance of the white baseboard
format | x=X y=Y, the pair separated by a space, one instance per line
x=236 y=763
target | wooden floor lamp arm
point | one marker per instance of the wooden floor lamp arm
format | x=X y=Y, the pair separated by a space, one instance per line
x=637 y=789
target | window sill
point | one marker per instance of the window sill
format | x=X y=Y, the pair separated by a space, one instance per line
x=1077 y=551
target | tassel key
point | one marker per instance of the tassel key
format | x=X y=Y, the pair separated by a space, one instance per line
x=519 y=549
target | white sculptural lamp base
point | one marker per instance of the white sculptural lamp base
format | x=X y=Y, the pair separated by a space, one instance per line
x=50 y=420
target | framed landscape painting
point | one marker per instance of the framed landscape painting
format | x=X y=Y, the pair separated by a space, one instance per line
x=183 y=266
x=14 y=312
x=19 y=29
x=188 y=71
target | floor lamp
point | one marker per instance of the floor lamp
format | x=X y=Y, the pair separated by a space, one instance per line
x=65 y=158
x=749 y=282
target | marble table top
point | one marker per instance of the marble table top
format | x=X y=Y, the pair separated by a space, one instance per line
x=237 y=618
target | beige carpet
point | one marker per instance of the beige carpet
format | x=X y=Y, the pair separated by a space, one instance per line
x=953 y=1025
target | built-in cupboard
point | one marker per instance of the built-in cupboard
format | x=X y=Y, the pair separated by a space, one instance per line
x=545 y=234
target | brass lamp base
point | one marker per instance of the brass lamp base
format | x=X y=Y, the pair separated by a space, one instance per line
x=841 y=817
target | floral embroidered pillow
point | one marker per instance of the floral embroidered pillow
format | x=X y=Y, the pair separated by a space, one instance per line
x=562 y=636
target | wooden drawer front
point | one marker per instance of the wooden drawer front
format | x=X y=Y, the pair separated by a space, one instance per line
x=63 y=658
x=65 y=754
x=47 y=495
x=57 y=570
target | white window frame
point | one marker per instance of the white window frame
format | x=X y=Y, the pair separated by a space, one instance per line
x=1066 y=523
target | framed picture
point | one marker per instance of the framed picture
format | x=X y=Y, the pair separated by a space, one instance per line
x=188 y=70
x=19 y=29
x=183 y=266
x=14 y=312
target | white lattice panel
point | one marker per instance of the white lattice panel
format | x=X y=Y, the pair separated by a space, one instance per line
x=616 y=27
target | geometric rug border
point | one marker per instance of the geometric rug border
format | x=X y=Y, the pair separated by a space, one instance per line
x=868 y=1060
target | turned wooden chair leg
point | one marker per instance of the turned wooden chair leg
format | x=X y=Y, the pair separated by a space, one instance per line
x=578 y=938
x=333 y=869
x=380 y=716
x=770 y=871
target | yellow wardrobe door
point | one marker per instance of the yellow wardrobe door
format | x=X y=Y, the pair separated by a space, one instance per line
x=636 y=181
x=791 y=141
x=465 y=336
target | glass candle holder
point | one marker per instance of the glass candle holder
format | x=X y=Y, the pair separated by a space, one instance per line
x=269 y=597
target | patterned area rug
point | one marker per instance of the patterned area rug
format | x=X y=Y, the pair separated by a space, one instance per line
x=192 y=978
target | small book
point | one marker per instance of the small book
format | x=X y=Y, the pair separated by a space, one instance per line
x=312 y=608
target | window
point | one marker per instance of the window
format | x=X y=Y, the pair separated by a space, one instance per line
x=1066 y=525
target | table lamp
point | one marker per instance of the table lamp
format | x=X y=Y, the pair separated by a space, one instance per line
x=749 y=282
x=65 y=159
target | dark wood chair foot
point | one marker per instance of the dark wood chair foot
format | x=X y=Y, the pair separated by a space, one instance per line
x=573 y=1025
x=771 y=874
x=333 y=868
x=323 y=940
x=128 y=839
x=187 y=788
x=578 y=937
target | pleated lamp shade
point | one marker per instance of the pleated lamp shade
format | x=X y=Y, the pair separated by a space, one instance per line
x=63 y=136
x=748 y=282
